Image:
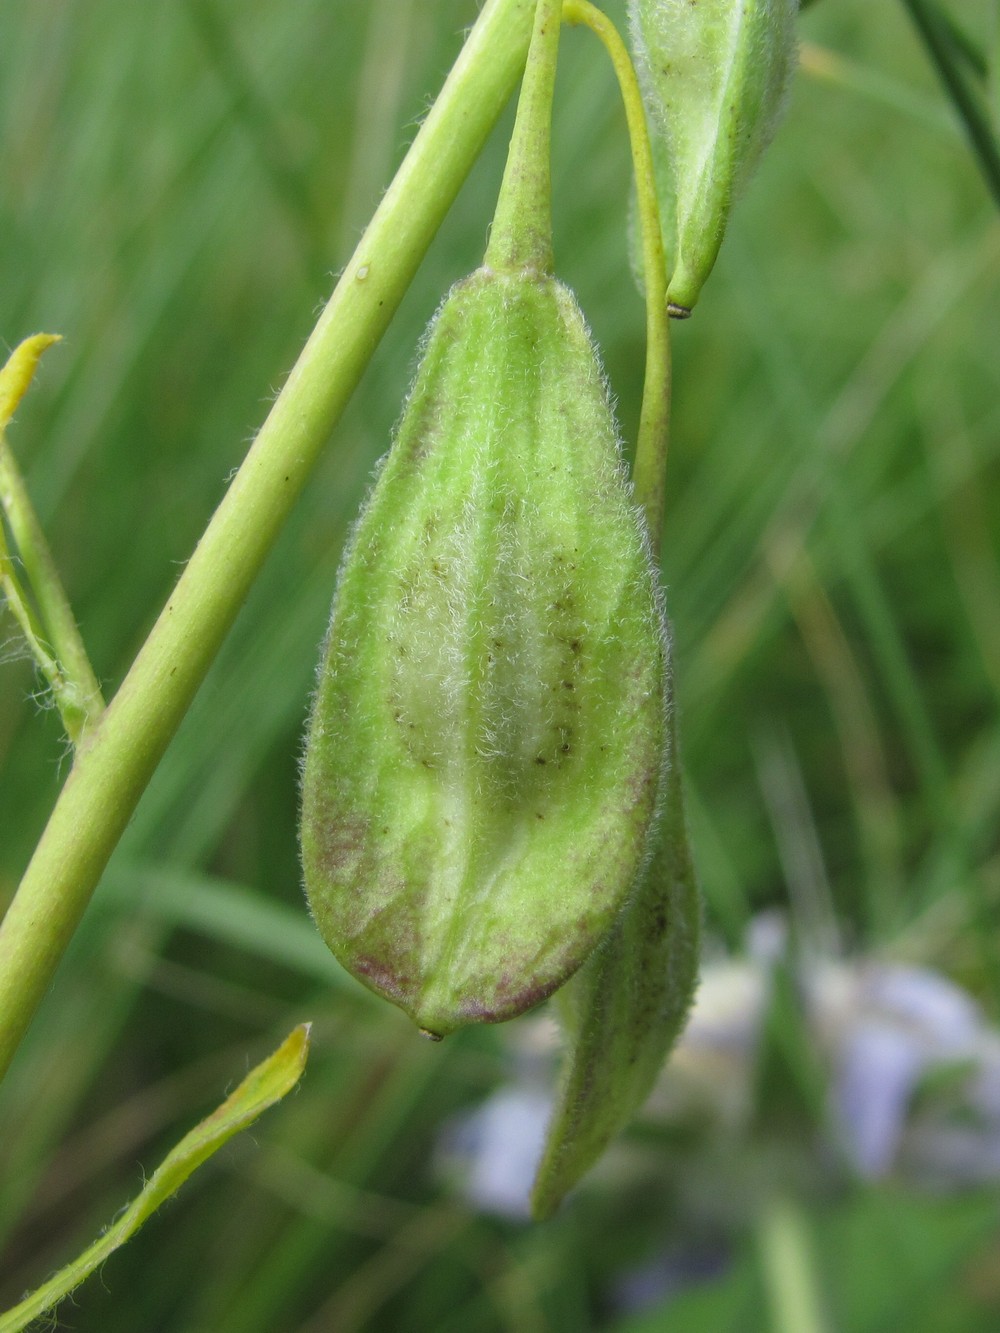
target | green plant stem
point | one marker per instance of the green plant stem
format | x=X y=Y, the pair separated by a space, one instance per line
x=521 y=234
x=116 y=762
x=946 y=59
x=789 y=1270
x=649 y=470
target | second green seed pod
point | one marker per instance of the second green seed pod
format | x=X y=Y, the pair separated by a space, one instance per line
x=714 y=77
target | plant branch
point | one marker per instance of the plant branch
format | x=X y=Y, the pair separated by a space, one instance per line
x=21 y=609
x=120 y=755
x=66 y=667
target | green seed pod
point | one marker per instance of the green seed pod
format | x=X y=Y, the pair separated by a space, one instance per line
x=714 y=76
x=487 y=731
x=626 y=1007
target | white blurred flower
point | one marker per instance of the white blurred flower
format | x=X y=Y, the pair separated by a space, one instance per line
x=885 y=1027
x=711 y=1072
x=913 y=1067
x=491 y=1153
x=497 y=1148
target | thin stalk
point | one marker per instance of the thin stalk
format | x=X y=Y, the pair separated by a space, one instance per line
x=789 y=1270
x=649 y=469
x=20 y=607
x=75 y=687
x=946 y=59
x=115 y=764
x=521 y=235
x=52 y=633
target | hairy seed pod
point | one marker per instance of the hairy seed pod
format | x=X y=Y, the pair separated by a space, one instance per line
x=487 y=730
x=627 y=1005
x=714 y=77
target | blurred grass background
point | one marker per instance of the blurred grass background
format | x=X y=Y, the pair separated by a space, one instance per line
x=179 y=184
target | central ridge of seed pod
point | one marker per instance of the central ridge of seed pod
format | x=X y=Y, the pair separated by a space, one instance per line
x=487 y=732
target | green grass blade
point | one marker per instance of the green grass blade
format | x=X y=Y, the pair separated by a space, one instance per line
x=939 y=40
x=231 y=913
